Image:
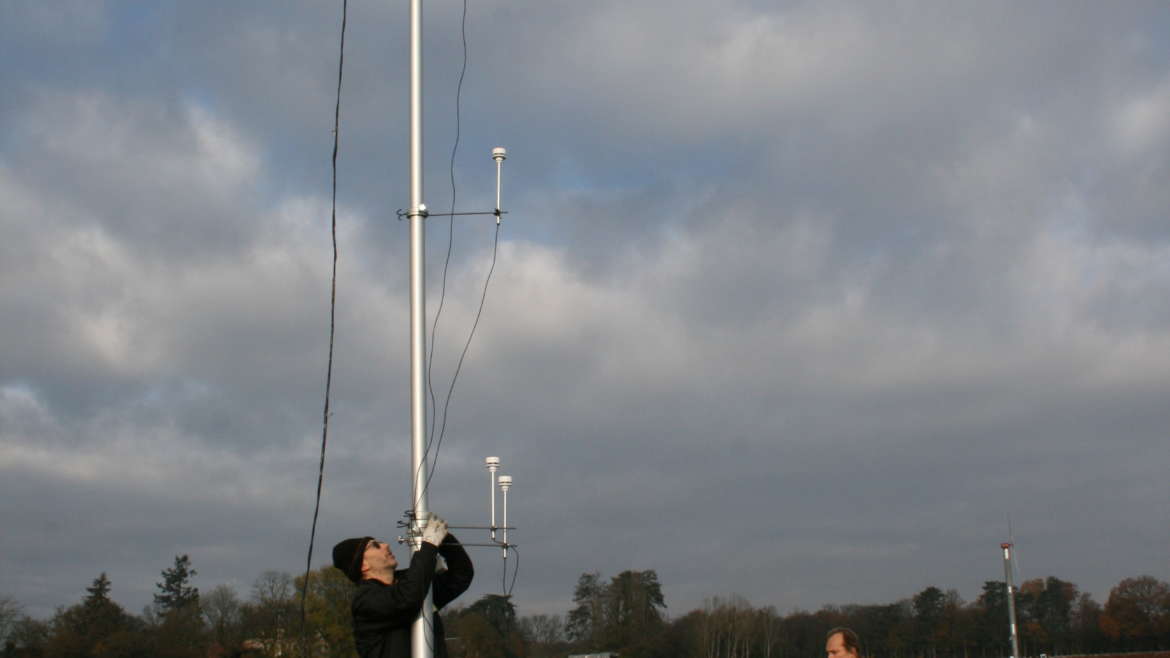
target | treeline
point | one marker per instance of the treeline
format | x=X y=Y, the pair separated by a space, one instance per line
x=182 y=623
x=625 y=614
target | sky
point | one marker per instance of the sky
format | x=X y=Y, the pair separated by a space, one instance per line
x=806 y=302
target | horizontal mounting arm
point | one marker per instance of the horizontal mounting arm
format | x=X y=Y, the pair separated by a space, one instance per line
x=402 y=214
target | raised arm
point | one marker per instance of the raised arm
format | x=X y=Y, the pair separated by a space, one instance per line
x=457 y=578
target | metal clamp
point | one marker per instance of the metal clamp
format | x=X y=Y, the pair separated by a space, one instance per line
x=421 y=212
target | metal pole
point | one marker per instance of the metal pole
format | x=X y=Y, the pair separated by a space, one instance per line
x=421 y=636
x=505 y=484
x=499 y=154
x=1011 y=599
x=493 y=465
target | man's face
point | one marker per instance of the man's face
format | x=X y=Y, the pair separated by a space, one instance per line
x=378 y=556
x=835 y=647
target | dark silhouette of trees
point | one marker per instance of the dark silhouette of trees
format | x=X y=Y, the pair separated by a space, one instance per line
x=473 y=637
x=95 y=627
x=1137 y=614
x=28 y=638
x=624 y=615
x=928 y=616
x=586 y=620
x=487 y=628
x=10 y=614
x=991 y=625
x=544 y=635
x=1045 y=610
x=1086 y=626
x=175 y=590
x=177 y=619
x=634 y=612
x=497 y=610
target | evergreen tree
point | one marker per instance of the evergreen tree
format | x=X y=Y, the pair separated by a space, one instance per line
x=634 y=606
x=99 y=591
x=619 y=615
x=585 y=620
x=175 y=590
x=95 y=627
x=498 y=610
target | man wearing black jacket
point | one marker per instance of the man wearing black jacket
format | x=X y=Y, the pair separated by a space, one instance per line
x=387 y=601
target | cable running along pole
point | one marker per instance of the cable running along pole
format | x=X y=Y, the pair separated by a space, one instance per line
x=422 y=638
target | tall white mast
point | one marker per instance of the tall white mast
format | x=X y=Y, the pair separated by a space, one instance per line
x=1009 y=585
x=421 y=636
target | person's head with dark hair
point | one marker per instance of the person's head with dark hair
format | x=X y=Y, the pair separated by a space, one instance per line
x=360 y=558
x=842 y=642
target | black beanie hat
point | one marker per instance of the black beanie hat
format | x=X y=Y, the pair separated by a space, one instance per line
x=347 y=556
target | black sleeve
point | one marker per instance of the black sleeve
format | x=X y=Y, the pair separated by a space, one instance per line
x=457 y=578
x=397 y=604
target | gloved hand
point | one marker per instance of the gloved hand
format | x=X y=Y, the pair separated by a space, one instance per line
x=435 y=531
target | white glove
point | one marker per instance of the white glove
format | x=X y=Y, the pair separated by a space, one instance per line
x=435 y=531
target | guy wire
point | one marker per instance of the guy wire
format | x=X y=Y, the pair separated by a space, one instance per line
x=332 y=325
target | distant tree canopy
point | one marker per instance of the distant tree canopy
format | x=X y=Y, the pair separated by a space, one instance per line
x=1137 y=613
x=327 y=612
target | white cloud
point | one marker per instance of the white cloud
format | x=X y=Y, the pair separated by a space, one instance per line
x=1141 y=124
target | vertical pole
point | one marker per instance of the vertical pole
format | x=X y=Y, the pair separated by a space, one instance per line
x=493 y=464
x=505 y=484
x=422 y=638
x=499 y=154
x=1011 y=598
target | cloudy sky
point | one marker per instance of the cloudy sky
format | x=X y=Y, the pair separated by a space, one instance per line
x=799 y=301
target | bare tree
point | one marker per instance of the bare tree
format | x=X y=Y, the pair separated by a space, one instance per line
x=543 y=629
x=222 y=609
x=10 y=613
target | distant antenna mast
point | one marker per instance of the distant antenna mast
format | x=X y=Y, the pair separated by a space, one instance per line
x=1011 y=599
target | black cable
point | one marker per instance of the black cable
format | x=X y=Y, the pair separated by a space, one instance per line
x=332 y=327
x=447 y=262
x=459 y=366
x=451 y=218
x=515 y=571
